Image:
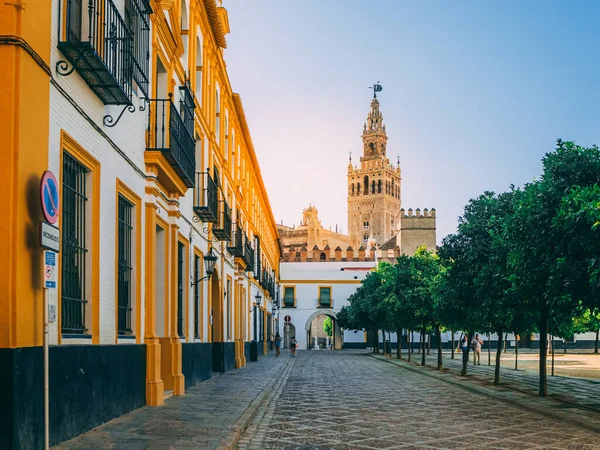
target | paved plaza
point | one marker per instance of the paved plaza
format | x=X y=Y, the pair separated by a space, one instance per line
x=344 y=400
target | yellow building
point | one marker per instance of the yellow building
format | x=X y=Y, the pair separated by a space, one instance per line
x=129 y=104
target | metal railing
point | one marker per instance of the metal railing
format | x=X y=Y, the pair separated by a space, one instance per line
x=99 y=44
x=248 y=255
x=223 y=232
x=206 y=197
x=237 y=249
x=168 y=134
x=137 y=18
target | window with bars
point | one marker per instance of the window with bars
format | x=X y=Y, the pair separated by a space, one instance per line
x=288 y=297
x=74 y=251
x=228 y=294
x=125 y=265
x=324 y=296
x=197 y=272
x=180 y=266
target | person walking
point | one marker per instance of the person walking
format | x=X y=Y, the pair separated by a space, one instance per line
x=476 y=346
x=293 y=345
x=277 y=344
x=464 y=347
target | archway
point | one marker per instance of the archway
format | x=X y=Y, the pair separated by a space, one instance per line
x=289 y=330
x=337 y=340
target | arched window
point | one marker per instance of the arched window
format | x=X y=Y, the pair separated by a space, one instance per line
x=373 y=187
x=366 y=185
x=371 y=148
x=323 y=257
x=379 y=186
x=357 y=188
x=352 y=188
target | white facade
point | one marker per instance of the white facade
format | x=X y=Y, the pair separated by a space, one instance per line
x=119 y=151
x=306 y=278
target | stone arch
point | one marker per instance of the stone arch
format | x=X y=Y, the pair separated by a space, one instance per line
x=338 y=336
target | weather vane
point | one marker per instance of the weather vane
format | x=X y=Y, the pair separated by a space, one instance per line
x=376 y=88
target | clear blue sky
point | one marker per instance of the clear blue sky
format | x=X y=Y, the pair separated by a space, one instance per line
x=474 y=93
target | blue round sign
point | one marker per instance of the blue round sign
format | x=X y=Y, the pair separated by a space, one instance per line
x=49 y=197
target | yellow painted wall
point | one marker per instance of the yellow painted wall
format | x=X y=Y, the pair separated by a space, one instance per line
x=24 y=127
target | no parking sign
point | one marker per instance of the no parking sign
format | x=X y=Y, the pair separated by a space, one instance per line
x=49 y=197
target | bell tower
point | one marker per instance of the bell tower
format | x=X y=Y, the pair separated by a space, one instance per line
x=374 y=185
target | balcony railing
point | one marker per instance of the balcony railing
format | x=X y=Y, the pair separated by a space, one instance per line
x=249 y=256
x=237 y=249
x=223 y=232
x=206 y=198
x=99 y=45
x=168 y=135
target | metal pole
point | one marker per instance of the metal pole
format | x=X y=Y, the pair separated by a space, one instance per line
x=46 y=376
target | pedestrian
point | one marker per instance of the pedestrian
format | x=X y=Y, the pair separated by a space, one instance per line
x=277 y=344
x=464 y=347
x=293 y=345
x=476 y=346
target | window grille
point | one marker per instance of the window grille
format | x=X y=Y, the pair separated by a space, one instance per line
x=288 y=297
x=74 y=250
x=180 y=263
x=228 y=309
x=197 y=271
x=125 y=268
x=325 y=296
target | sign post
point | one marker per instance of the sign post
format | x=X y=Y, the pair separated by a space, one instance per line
x=49 y=240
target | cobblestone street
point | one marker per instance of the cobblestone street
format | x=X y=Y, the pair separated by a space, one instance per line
x=348 y=400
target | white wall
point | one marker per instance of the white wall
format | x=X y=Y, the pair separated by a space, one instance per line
x=307 y=277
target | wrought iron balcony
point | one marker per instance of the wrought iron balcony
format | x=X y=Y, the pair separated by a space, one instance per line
x=206 y=198
x=223 y=232
x=168 y=134
x=248 y=256
x=99 y=45
x=237 y=249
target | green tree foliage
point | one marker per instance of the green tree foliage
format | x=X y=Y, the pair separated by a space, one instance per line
x=521 y=261
x=328 y=326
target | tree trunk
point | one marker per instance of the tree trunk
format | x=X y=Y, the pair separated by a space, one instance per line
x=376 y=344
x=390 y=341
x=489 y=350
x=420 y=341
x=596 y=343
x=429 y=343
x=543 y=391
x=399 y=346
x=505 y=339
x=498 y=358
x=423 y=345
x=516 y=352
x=383 y=337
x=552 y=338
x=452 y=350
x=439 y=344
x=408 y=337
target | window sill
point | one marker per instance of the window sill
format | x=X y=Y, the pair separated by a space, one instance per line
x=77 y=336
x=125 y=336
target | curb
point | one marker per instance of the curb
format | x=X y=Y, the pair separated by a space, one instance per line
x=502 y=394
x=245 y=419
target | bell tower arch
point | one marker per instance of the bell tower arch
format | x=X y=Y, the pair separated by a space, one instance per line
x=373 y=185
